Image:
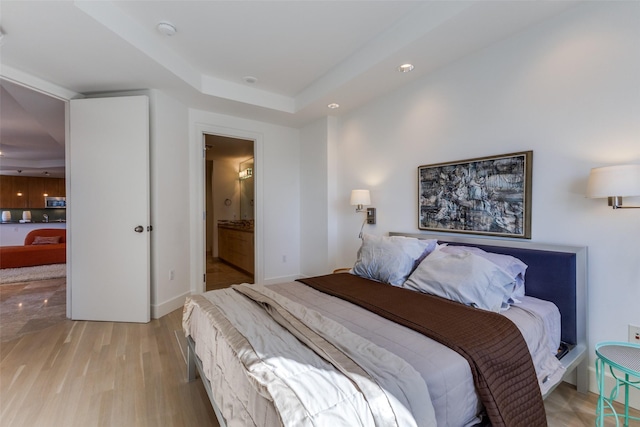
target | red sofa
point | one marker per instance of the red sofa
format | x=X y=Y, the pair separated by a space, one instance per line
x=31 y=254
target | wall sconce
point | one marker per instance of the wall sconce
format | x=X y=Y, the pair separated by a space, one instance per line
x=359 y=199
x=245 y=174
x=614 y=183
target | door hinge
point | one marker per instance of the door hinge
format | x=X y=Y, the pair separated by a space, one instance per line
x=204 y=277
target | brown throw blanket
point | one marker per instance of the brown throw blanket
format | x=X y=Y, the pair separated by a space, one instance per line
x=502 y=368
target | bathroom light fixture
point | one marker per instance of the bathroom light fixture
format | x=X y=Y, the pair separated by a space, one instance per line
x=614 y=183
x=166 y=28
x=333 y=105
x=359 y=199
x=405 y=68
x=245 y=174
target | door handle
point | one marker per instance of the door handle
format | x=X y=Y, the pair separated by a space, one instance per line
x=139 y=229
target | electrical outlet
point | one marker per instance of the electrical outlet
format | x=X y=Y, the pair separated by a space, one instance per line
x=634 y=334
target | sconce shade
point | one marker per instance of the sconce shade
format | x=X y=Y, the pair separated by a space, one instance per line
x=614 y=181
x=360 y=197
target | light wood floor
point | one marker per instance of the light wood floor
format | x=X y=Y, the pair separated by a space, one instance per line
x=100 y=374
x=122 y=374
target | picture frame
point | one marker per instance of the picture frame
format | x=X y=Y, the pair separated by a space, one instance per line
x=486 y=196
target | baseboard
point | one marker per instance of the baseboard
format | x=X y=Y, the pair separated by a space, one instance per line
x=159 y=310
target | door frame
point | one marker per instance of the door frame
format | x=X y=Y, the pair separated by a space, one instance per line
x=198 y=209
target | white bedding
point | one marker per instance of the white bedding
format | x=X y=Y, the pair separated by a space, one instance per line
x=446 y=374
x=344 y=380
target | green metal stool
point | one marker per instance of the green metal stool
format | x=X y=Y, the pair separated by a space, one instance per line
x=622 y=358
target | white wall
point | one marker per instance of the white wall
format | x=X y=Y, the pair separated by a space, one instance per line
x=568 y=89
x=318 y=198
x=169 y=164
x=277 y=184
x=313 y=199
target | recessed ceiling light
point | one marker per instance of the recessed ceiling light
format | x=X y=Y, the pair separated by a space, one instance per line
x=166 y=28
x=405 y=68
x=333 y=105
x=250 y=79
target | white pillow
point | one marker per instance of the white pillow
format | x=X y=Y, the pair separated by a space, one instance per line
x=463 y=277
x=509 y=264
x=390 y=259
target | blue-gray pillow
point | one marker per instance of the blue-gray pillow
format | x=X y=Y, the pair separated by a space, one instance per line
x=509 y=264
x=390 y=259
x=463 y=277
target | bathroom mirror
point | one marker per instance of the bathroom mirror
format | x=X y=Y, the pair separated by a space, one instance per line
x=246 y=189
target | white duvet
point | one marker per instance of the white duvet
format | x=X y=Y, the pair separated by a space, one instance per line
x=345 y=380
x=451 y=391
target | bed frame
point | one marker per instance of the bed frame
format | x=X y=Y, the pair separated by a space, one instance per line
x=555 y=273
x=194 y=367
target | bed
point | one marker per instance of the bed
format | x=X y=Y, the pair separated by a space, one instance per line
x=430 y=370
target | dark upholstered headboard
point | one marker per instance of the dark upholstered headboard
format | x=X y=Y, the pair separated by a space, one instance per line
x=555 y=273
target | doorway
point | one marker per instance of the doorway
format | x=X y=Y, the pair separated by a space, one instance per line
x=230 y=224
x=33 y=296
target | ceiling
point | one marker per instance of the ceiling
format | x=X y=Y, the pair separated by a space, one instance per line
x=303 y=54
x=32 y=132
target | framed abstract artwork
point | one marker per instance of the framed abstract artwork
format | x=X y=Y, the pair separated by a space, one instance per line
x=488 y=195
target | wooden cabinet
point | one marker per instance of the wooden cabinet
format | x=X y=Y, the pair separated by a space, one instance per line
x=236 y=248
x=6 y=191
x=14 y=192
x=36 y=193
x=54 y=187
x=20 y=192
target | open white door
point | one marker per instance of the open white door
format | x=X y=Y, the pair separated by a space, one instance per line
x=108 y=208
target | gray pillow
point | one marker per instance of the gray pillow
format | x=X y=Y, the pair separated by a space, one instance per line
x=390 y=259
x=509 y=264
x=463 y=277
